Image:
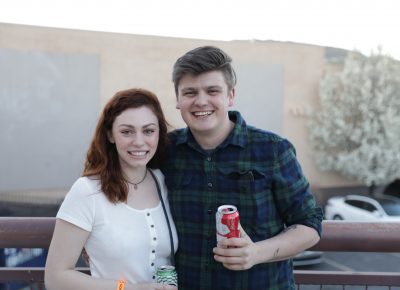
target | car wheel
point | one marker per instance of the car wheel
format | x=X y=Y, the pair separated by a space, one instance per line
x=337 y=217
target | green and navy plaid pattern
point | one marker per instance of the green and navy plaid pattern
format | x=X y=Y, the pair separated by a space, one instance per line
x=256 y=171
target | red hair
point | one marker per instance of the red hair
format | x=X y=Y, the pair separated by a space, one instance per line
x=102 y=158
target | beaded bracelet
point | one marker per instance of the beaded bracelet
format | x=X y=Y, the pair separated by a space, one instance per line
x=121 y=284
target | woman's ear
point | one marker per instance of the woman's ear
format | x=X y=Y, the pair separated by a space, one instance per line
x=110 y=137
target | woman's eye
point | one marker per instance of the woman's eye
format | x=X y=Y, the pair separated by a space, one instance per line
x=149 y=131
x=126 y=132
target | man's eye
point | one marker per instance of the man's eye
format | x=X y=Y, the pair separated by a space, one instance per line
x=213 y=92
x=189 y=94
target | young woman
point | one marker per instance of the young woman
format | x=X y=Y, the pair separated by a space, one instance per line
x=118 y=210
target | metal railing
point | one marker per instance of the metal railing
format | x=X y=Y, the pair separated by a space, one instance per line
x=343 y=236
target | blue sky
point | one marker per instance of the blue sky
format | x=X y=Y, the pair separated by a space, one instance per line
x=349 y=24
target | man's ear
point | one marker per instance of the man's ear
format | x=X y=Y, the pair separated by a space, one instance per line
x=231 y=96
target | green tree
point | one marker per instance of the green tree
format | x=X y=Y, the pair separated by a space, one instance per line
x=356 y=129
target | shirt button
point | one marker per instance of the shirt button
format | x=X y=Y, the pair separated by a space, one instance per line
x=154 y=239
x=208 y=158
x=148 y=214
x=152 y=264
x=152 y=226
x=153 y=251
x=209 y=184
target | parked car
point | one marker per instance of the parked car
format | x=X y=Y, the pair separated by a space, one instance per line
x=363 y=208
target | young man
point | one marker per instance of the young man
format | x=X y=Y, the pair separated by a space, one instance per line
x=219 y=159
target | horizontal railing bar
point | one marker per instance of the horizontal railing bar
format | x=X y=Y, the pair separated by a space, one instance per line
x=345 y=236
x=347 y=278
x=36 y=274
x=26 y=274
x=34 y=232
x=26 y=232
x=22 y=274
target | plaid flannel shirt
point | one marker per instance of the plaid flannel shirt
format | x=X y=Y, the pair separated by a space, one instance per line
x=256 y=171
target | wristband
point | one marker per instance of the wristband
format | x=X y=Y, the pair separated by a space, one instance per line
x=121 y=284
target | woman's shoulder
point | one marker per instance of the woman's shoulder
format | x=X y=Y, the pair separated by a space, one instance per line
x=86 y=185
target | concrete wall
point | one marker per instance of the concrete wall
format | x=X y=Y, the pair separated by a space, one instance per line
x=276 y=80
x=47 y=114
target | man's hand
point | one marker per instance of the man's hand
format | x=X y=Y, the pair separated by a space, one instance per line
x=236 y=253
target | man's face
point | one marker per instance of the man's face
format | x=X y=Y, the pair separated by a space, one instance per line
x=204 y=101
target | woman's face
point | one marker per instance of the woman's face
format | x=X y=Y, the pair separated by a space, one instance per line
x=135 y=133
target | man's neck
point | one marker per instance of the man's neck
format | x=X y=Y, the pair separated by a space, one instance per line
x=211 y=140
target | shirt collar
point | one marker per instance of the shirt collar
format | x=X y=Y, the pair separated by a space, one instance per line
x=237 y=137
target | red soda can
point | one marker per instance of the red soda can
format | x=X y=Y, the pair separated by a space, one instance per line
x=227 y=222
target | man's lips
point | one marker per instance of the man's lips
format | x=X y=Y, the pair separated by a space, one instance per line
x=202 y=113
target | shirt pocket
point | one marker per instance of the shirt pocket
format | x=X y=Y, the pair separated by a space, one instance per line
x=250 y=189
x=244 y=181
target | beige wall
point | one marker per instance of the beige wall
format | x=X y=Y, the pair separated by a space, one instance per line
x=146 y=61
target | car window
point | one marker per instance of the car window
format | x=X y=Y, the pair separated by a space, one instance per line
x=355 y=203
x=369 y=207
x=392 y=208
x=362 y=205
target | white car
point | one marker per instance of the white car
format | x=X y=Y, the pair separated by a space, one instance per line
x=363 y=208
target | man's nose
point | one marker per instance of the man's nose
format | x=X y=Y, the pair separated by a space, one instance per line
x=201 y=98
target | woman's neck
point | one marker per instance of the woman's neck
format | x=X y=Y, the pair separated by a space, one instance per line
x=134 y=175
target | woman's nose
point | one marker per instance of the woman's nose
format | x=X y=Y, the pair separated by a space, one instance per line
x=138 y=139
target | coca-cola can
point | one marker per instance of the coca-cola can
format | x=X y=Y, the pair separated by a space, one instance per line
x=227 y=222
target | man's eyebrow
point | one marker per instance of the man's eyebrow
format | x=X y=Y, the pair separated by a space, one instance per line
x=214 y=87
x=189 y=89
